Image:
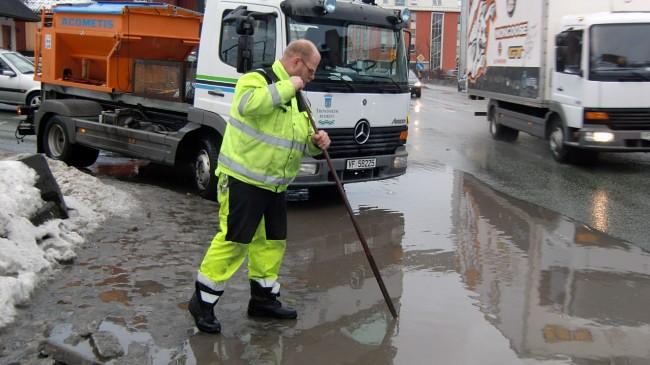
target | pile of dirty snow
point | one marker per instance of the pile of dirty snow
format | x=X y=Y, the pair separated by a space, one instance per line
x=27 y=252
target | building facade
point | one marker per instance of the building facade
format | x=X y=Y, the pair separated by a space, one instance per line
x=434 y=29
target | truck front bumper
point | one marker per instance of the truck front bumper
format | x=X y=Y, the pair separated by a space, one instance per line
x=597 y=138
x=387 y=166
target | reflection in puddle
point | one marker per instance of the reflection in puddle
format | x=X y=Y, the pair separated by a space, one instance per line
x=119 y=167
x=552 y=286
x=599 y=214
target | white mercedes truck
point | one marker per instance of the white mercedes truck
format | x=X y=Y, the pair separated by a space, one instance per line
x=137 y=79
x=576 y=73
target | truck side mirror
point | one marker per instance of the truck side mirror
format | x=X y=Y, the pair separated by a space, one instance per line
x=8 y=73
x=245 y=29
x=560 y=58
x=245 y=53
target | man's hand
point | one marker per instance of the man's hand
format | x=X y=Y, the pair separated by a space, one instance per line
x=297 y=82
x=321 y=139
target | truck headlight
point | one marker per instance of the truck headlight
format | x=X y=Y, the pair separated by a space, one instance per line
x=599 y=136
x=399 y=162
x=308 y=169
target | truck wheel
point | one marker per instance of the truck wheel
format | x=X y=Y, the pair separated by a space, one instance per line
x=501 y=132
x=556 y=138
x=418 y=93
x=203 y=165
x=56 y=144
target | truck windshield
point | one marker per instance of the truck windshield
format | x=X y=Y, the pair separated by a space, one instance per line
x=614 y=60
x=354 y=57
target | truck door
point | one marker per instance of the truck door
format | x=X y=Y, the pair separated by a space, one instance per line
x=217 y=67
x=568 y=85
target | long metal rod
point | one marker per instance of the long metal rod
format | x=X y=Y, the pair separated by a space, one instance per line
x=362 y=238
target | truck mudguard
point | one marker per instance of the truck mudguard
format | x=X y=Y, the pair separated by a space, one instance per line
x=66 y=108
x=207 y=118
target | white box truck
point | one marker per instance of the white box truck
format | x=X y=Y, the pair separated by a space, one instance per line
x=576 y=73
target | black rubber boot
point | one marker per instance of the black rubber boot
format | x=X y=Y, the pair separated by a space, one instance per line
x=202 y=311
x=265 y=303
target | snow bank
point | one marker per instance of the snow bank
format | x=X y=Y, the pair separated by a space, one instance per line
x=28 y=252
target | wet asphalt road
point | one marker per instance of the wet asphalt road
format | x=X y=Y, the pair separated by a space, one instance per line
x=477 y=276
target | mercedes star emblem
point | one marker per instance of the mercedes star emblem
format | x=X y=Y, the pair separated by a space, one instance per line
x=362 y=132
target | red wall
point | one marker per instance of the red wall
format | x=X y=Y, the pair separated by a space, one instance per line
x=422 y=35
x=449 y=39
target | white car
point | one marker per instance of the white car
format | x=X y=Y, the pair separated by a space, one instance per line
x=17 y=85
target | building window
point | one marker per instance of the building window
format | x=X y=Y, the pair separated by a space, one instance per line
x=400 y=2
x=436 y=40
x=437 y=2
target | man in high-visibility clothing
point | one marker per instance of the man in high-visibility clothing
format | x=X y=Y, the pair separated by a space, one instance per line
x=260 y=155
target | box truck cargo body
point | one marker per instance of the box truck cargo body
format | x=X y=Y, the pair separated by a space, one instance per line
x=575 y=73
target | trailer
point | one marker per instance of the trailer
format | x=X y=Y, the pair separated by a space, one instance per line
x=156 y=82
x=574 y=73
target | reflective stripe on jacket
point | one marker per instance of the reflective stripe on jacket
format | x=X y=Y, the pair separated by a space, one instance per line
x=266 y=135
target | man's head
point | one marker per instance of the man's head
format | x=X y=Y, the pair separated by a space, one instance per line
x=301 y=58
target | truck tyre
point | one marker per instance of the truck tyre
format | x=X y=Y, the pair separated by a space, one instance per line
x=418 y=93
x=501 y=132
x=204 y=163
x=56 y=144
x=556 y=138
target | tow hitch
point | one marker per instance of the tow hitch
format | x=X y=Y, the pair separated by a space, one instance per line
x=25 y=127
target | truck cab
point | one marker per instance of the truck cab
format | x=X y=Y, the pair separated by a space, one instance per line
x=601 y=82
x=359 y=94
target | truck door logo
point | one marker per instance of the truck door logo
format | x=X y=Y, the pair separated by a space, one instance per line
x=328 y=101
x=362 y=132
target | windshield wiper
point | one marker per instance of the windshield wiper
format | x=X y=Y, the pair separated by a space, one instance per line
x=640 y=74
x=621 y=71
x=385 y=78
x=340 y=78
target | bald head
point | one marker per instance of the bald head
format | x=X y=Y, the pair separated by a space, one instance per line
x=301 y=48
x=301 y=58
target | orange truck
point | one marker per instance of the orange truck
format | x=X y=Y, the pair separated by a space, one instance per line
x=128 y=77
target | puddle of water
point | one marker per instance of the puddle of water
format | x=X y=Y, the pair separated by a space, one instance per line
x=477 y=277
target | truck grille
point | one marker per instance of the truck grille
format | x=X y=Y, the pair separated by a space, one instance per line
x=627 y=119
x=382 y=141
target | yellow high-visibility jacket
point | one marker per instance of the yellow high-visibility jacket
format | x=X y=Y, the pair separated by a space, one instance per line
x=266 y=135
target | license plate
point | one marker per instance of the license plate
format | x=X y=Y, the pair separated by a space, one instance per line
x=645 y=135
x=361 y=164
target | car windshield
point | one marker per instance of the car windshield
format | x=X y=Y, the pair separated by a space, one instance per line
x=22 y=64
x=354 y=54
